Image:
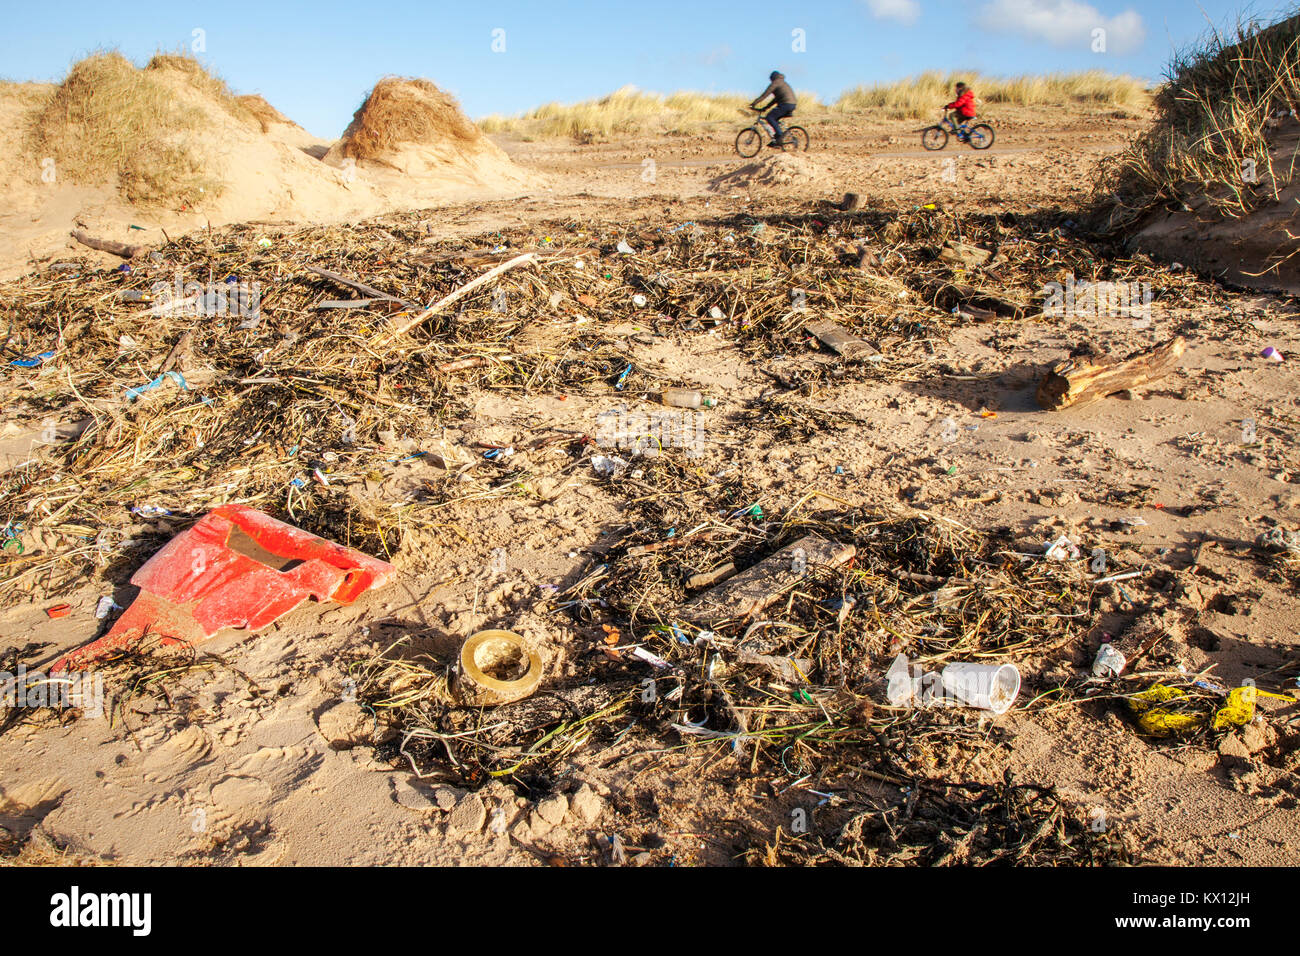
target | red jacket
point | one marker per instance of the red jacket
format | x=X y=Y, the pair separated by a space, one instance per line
x=964 y=105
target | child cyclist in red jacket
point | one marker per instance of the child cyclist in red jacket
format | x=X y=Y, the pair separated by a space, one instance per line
x=964 y=105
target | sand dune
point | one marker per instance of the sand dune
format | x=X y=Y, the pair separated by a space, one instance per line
x=126 y=152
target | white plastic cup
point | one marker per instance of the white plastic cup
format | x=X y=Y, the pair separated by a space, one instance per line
x=991 y=687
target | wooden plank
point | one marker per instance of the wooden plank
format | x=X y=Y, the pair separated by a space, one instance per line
x=837 y=338
x=755 y=588
x=705 y=578
x=1090 y=377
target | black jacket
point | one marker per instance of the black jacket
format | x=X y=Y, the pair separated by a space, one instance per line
x=780 y=91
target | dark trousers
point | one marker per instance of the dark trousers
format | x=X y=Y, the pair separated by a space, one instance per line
x=774 y=117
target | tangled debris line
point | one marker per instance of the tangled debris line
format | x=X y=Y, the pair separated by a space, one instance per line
x=425 y=727
x=298 y=371
x=798 y=690
x=961 y=824
x=224 y=366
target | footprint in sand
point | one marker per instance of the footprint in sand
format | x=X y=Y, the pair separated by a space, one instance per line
x=242 y=793
x=179 y=754
x=26 y=804
x=282 y=769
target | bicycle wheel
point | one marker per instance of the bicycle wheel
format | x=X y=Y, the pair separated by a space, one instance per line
x=796 y=140
x=934 y=137
x=981 y=136
x=749 y=143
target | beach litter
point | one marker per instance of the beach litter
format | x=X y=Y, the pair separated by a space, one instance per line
x=236 y=567
x=991 y=687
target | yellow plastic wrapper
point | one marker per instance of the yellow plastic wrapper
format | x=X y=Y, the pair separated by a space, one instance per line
x=1237 y=711
x=1163 y=711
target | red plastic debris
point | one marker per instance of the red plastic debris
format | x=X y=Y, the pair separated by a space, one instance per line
x=236 y=567
x=59 y=610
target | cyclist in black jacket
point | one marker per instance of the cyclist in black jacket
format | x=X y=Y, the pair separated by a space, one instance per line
x=784 y=103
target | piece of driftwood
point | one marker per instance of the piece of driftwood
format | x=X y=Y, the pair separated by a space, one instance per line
x=120 y=249
x=975 y=313
x=755 y=588
x=869 y=258
x=705 y=578
x=179 y=353
x=359 y=286
x=837 y=338
x=1091 y=376
x=470 y=361
x=464 y=290
x=351 y=303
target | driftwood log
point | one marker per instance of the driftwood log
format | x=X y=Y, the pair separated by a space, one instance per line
x=1091 y=376
x=121 y=249
x=964 y=255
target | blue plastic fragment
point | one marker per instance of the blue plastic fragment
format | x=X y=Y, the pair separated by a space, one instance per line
x=133 y=393
x=34 y=361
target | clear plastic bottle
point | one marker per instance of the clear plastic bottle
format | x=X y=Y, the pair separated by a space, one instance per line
x=686 y=398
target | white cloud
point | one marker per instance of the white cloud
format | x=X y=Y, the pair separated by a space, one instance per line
x=717 y=56
x=904 y=11
x=1064 y=23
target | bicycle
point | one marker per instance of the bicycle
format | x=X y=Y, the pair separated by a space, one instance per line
x=935 y=137
x=750 y=140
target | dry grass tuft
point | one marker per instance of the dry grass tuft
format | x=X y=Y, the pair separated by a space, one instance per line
x=630 y=111
x=262 y=111
x=39 y=849
x=405 y=110
x=213 y=87
x=921 y=96
x=108 y=120
x=1212 y=122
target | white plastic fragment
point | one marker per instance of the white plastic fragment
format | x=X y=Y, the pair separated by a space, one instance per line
x=1109 y=661
x=1062 y=549
x=608 y=466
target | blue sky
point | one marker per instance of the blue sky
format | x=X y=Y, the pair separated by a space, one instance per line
x=315 y=62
